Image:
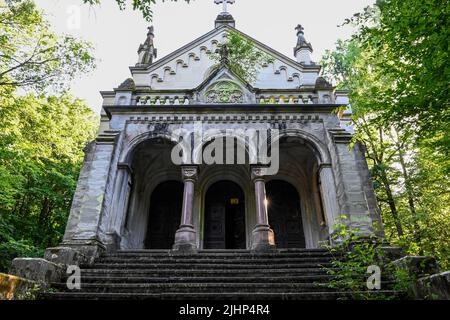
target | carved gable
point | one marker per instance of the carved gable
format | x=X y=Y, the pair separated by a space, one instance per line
x=189 y=66
x=224 y=87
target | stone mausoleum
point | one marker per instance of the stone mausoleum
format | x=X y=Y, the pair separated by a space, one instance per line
x=131 y=194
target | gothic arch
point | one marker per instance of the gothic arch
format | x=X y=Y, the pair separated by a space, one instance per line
x=318 y=147
x=130 y=148
x=218 y=134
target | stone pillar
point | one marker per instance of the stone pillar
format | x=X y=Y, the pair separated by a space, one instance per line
x=262 y=236
x=115 y=223
x=93 y=194
x=351 y=190
x=185 y=237
x=329 y=198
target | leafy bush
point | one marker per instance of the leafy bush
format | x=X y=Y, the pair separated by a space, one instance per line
x=11 y=248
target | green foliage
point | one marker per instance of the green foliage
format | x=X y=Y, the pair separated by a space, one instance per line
x=41 y=137
x=145 y=6
x=33 y=56
x=245 y=59
x=352 y=256
x=394 y=79
x=403 y=279
x=409 y=41
x=32 y=293
x=41 y=142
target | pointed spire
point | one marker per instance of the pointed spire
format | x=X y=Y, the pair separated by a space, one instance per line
x=147 y=51
x=303 y=49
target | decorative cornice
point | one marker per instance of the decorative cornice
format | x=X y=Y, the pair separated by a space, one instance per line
x=340 y=135
x=107 y=137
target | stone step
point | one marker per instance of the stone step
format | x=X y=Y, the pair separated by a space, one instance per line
x=191 y=266
x=202 y=272
x=227 y=251
x=228 y=256
x=126 y=278
x=221 y=296
x=176 y=260
x=195 y=288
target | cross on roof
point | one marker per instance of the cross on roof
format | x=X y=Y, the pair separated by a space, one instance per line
x=224 y=2
x=299 y=28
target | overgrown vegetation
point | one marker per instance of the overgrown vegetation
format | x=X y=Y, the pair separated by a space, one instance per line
x=244 y=58
x=396 y=66
x=353 y=255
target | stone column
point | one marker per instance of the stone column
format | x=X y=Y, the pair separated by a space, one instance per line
x=185 y=237
x=262 y=236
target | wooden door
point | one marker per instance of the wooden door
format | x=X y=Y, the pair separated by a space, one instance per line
x=285 y=215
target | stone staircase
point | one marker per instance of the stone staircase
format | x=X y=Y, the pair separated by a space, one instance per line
x=290 y=274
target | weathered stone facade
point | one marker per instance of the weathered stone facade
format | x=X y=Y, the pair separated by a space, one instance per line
x=131 y=155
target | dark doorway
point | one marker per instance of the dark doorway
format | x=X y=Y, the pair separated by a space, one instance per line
x=165 y=215
x=284 y=214
x=224 y=217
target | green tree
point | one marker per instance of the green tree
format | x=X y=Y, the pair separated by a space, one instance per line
x=409 y=40
x=32 y=55
x=41 y=143
x=410 y=180
x=41 y=136
x=244 y=58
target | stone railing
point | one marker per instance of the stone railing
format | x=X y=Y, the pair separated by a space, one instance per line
x=184 y=100
x=162 y=101
x=309 y=99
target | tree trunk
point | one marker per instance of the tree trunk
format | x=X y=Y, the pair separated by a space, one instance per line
x=409 y=191
x=391 y=202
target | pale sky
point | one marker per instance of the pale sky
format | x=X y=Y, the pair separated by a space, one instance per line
x=116 y=35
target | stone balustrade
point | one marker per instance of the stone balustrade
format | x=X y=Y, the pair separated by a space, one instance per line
x=263 y=99
x=157 y=101
x=301 y=99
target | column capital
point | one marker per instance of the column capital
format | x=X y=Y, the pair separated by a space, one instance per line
x=258 y=172
x=189 y=173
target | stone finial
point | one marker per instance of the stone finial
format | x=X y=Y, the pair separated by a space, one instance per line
x=299 y=29
x=147 y=51
x=301 y=41
x=224 y=52
x=303 y=49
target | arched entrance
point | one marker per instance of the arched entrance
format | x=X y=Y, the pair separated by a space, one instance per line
x=224 y=217
x=284 y=214
x=164 y=215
